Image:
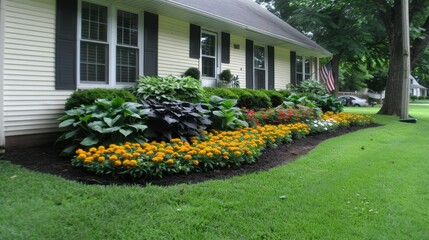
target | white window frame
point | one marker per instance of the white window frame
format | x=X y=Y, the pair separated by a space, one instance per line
x=265 y=65
x=302 y=71
x=112 y=44
x=216 y=57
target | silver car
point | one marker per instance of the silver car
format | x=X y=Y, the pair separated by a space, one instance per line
x=349 y=100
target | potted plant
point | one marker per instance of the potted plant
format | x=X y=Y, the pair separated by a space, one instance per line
x=225 y=78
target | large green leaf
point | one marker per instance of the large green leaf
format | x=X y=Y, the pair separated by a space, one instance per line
x=117 y=102
x=97 y=126
x=138 y=127
x=219 y=114
x=68 y=150
x=108 y=121
x=125 y=132
x=91 y=140
x=110 y=130
x=67 y=123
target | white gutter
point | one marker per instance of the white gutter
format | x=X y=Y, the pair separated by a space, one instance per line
x=238 y=24
x=2 y=37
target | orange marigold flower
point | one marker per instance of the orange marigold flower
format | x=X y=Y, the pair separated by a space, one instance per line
x=101 y=159
x=187 y=157
x=118 y=163
x=81 y=156
x=195 y=163
x=209 y=154
x=88 y=159
x=133 y=163
x=93 y=149
x=170 y=161
x=113 y=158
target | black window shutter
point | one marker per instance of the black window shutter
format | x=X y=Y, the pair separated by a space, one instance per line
x=150 y=53
x=293 y=68
x=65 y=45
x=249 y=64
x=226 y=40
x=270 y=67
x=194 y=41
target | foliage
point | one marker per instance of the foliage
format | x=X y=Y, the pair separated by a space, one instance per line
x=219 y=149
x=88 y=96
x=221 y=92
x=224 y=114
x=193 y=72
x=104 y=122
x=276 y=97
x=311 y=87
x=353 y=76
x=413 y=98
x=226 y=76
x=284 y=92
x=328 y=102
x=170 y=88
x=281 y=115
x=216 y=149
x=252 y=99
x=174 y=119
x=296 y=100
x=235 y=82
x=378 y=81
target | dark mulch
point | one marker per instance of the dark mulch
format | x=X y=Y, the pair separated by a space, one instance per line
x=45 y=159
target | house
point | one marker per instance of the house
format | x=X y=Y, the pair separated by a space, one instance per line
x=416 y=89
x=50 y=48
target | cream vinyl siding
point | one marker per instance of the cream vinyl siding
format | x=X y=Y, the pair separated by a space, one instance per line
x=237 y=61
x=31 y=103
x=281 y=68
x=173 y=47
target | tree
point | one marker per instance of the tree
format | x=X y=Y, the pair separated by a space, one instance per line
x=390 y=13
x=370 y=28
x=333 y=24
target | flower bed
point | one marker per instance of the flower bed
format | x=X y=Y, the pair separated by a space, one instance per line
x=215 y=149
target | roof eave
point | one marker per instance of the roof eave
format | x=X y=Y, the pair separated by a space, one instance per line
x=317 y=52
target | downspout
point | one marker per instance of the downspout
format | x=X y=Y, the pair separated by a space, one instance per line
x=2 y=37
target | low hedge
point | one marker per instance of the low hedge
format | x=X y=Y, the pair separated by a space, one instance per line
x=220 y=92
x=275 y=96
x=88 y=96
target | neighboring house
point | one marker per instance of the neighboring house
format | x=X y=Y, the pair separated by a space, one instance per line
x=50 y=48
x=416 y=89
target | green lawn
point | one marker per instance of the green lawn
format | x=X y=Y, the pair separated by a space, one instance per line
x=370 y=184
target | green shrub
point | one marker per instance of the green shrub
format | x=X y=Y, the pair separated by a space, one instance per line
x=275 y=97
x=175 y=119
x=413 y=98
x=103 y=123
x=251 y=99
x=193 y=72
x=221 y=92
x=328 y=102
x=88 y=96
x=170 y=88
x=226 y=76
x=311 y=86
x=284 y=92
x=224 y=114
x=422 y=97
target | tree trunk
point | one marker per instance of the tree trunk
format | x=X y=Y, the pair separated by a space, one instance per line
x=335 y=72
x=393 y=97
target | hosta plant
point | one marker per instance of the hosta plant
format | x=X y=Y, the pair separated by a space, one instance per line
x=224 y=114
x=104 y=122
x=169 y=88
x=175 y=119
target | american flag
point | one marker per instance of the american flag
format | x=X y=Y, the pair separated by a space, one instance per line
x=327 y=77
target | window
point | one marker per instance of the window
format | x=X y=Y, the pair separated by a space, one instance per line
x=208 y=55
x=105 y=58
x=94 y=46
x=127 y=52
x=259 y=66
x=303 y=68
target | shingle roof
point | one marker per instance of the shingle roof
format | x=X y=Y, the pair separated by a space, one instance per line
x=251 y=15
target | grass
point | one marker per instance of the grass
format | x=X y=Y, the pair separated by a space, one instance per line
x=370 y=184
